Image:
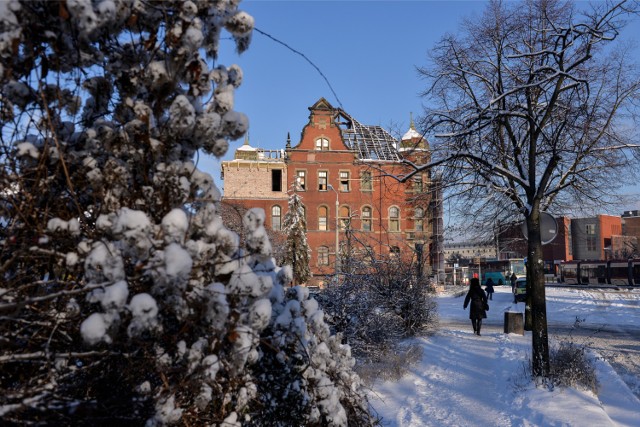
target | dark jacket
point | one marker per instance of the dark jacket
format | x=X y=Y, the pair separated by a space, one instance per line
x=478 y=299
x=489 y=287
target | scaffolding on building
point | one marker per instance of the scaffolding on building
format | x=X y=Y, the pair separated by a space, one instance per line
x=369 y=142
x=437 y=228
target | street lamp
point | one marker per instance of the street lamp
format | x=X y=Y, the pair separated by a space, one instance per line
x=337 y=227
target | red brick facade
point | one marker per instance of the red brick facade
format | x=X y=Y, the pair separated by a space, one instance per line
x=337 y=159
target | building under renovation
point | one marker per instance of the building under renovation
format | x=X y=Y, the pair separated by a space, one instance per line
x=357 y=210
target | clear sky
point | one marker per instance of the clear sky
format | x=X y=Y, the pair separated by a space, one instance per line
x=367 y=50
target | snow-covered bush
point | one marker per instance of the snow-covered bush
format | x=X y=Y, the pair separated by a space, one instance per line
x=125 y=300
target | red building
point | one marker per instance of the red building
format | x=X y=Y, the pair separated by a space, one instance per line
x=346 y=174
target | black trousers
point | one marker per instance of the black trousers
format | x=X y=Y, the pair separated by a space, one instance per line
x=477 y=324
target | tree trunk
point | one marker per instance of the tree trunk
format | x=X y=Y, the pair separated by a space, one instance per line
x=536 y=300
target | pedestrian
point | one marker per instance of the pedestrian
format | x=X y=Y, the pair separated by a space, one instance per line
x=479 y=305
x=489 y=288
x=513 y=283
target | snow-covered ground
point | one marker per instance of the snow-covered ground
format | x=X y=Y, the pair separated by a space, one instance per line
x=464 y=379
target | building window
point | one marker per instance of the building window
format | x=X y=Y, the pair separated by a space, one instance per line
x=418 y=219
x=394 y=251
x=323 y=218
x=276 y=217
x=322 y=180
x=417 y=184
x=276 y=180
x=591 y=237
x=366 y=183
x=570 y=239
x=366 y=218
x=394 y=219
x=344 y=181
x=301 y=180
x=345 y=217
x=322 y=144
x=323 y=255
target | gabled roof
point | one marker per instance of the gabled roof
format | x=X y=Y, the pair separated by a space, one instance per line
x=369 y=142
x=321 y=104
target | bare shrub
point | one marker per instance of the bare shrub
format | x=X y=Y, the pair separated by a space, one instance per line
x=376 y=311
x=394 y=367
x=571 y=366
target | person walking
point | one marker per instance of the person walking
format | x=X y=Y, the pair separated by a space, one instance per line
x=479 y=305
x=489 y=288
x=513 y=283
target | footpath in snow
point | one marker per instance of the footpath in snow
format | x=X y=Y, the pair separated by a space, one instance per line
x=464 y=379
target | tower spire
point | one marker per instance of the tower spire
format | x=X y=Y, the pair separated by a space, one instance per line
x=411 y=124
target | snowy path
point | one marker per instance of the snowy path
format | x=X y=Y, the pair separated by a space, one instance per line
x=466 y=380
x=459 y=373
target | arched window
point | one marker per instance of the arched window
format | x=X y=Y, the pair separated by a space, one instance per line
x=366 y=219
x=323 y=218
x=276 y=217
x=394 y=219
x=345 y=217
x=323 y=255
x=418 y=219
x=322 y=144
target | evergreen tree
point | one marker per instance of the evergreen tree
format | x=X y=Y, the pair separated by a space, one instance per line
x=297 y=252
x=124 y=298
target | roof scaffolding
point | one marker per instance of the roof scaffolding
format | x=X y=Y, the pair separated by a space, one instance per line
x=369 y=142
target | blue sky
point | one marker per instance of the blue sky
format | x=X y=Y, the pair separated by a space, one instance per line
x=367 y=50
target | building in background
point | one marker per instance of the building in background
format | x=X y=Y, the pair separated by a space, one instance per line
x=628 y=245
x=470 y=250
x=347 y=174
x=592 y=236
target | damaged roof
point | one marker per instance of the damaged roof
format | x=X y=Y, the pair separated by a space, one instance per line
x=369 y=142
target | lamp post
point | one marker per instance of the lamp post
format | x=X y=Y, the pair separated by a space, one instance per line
x=337 y=265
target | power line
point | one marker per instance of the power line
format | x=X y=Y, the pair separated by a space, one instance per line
x=306 y=59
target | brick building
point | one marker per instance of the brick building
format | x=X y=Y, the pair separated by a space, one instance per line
x=344 y=172
x=631 y=224
x=628 y=245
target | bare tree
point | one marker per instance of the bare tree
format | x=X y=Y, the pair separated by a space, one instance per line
x=533 y=108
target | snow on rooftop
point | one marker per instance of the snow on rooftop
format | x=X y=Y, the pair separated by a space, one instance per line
x=246 y=147
x=411 y=134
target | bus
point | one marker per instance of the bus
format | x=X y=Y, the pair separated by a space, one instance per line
x=501 y=270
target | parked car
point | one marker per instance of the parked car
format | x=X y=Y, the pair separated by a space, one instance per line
x=520 y=291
